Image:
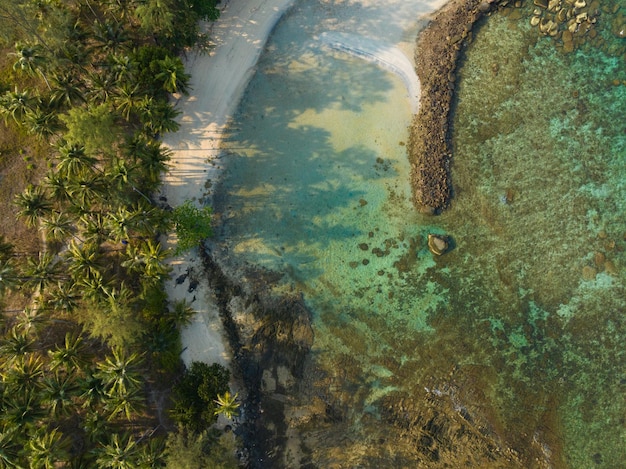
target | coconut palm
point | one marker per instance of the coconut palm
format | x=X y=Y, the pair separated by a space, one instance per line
x=66 y=90
x=70 y=356
x=86 y=189
x=11 y=446
x=63 y=298
x=126 y=404
x=92 y=227
x=33 y=204
x=127 y=99
x=74 y=160
x=93 y=391
x=15 y=347
x=48 y=449
x=16 y=104
x=172 y=74
x=30 y=60
x=43 y=123
x=120 y=372
x=101 y=87
x=95 y=288
x=122 y=68
x=158 y=116
x=84 y=260
x=120 y=452
x=56 y=185
x=59 y=391
x=155 y=260
x=24 y=374
x=40 y=272
x=58 y=226
x=151 y=453
x=109 y=37
x=31 y=320
x=9 y=277
x=23 y=410
x=157 y=16
x=227 y=405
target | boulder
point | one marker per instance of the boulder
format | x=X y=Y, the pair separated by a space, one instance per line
x=438 y=244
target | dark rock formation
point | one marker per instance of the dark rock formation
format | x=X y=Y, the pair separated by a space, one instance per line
x=437 y=53
x=270 y=337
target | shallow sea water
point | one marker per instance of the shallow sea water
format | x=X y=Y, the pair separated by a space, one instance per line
x=522 y=323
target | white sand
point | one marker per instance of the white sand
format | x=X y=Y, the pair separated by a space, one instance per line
x=218 y=81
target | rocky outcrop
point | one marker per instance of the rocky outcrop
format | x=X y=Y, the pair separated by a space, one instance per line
x=438 y=50
x=270 y=336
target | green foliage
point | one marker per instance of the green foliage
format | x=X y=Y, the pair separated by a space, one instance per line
x=187 y=450
x=227 y=405
x=205 y=9
x=92 y=126
x=195 y=395
x=192 y=224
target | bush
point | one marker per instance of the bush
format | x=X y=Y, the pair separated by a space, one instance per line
x=192 y=224
x=195 y=395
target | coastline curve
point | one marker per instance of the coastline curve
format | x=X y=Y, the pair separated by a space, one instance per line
x=387 y=56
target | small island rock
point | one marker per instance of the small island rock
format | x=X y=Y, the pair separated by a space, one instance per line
x=438 y=244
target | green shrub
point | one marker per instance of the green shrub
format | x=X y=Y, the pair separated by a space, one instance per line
x=194 y=396
x=192 y=225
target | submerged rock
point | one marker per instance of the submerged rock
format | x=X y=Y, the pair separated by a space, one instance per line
x=438 y=244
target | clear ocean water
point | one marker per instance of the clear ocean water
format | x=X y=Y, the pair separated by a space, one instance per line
x=521 y=328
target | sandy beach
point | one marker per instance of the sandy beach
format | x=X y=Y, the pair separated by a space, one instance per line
x=218 y=81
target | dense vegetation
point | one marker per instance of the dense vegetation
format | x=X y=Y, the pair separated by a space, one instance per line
x=87 y=332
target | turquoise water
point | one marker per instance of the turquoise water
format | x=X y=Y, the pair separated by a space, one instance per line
x=515 y=338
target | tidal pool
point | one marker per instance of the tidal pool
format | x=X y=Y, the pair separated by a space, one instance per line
x=515 y=338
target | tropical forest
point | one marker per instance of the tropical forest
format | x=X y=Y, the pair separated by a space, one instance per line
x=90 y=371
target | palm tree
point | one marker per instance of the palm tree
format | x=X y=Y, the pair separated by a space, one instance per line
x=10 y=447
x=33 y=204
x=154 y=259
x=16 y=104
x=157 y=17
x=63 y=298
x=70 y=356
x=127 y=99
x=127 y=404
x=41 y=122
x=172 y=74
x=24 y=374
x=120 y=372
x=56 y=186
x=151 y=453
x=122 y=68
x=86 y=189
x=227 y=405
x=95 y=288
x=48 y=449
x=74 y=160
x=93 y=391
x=9 y=277
x=30 y=60
x=39 y=273
x=59 y=391
x=101 y=87
x=15 y=347
x=23 y=410
x=119 y=453
x=67 y=90
x=31 y=320
x=158 y=116
x=93 y=227
x=84 y=260
x=110 y=37
x=58 y=226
